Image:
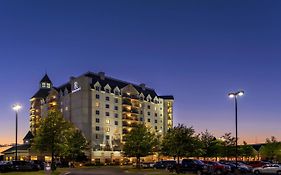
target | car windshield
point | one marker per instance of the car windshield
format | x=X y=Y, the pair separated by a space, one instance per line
x=199 y=162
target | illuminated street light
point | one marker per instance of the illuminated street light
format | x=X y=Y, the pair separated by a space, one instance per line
x=235 y=95
x=16 y=108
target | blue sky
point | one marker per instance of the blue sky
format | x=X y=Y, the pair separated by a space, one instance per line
x=197 y=51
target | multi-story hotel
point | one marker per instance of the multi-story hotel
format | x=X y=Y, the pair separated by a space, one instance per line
x=104 y=108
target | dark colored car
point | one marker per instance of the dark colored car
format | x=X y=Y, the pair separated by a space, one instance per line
x=163 y=164
x=219 y=168
x=241 y=169
x=193 y=166
x=23 y=166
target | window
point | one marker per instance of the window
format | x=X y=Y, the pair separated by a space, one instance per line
x=155 y=114
x=148 y=106
x=141 y=98
x=148 y=120
x=155 y=127
x=155 y=121
x=97 y=136
x=148 y=113
x=116 y=108
x=161 y=108
x=107 y=90
x=97 y=96
x=97 y=120
x=43 y=85
x=116 y=122
x=116 y=92
x=116 y=100
x=107 y=137
x=116 y=115
x=97 y=104
x=161 y=115
x=107 y=121
x=66 y=108
x=97 y=88
x=107 y=106
x=141 y=119
x=107 y=129
x=107 y=113
x=97 y=112
x=141 y=112
x=48 y=85
x=107 y=98
x=97 y=128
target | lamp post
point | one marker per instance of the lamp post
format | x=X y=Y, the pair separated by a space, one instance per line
x=16 y=108
x=235 y=95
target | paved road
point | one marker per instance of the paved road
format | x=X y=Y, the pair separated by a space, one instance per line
x=100 y=171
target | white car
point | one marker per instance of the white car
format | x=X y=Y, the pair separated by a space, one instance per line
x=268 y=169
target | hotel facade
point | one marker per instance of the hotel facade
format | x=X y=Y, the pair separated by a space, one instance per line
x=104 y=109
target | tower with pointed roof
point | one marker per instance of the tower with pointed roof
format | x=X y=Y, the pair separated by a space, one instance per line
x=45 y=86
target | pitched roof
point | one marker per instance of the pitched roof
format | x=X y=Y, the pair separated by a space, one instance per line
x=118 y=83
x=28 y=136
x=46 y=79
x=22 y=147
x=41 y=93
x=167 y=97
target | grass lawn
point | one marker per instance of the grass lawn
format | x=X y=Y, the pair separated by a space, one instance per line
x=57 y=172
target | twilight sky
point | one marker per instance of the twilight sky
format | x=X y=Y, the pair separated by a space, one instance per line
x=197 y=51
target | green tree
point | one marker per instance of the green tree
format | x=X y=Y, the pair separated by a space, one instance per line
x=271 y=150
x=247 y=150
x=228 y=145
x=179 y=141
x=76 y=146
x=139 y=142
x=53 y=134
x=207 y=141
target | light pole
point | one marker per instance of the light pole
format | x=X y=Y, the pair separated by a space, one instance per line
x=235 y=95
x=16 y=108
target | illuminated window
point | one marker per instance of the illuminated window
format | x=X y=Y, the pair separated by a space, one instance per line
x=97 y=104
x=48 y=85
x=107 y=129
x=66 y=108
x=107 y=121
x=43 y=85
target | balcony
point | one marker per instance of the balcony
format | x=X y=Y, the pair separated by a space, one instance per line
x=126 y=102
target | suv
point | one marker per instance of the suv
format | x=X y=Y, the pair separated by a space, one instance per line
x=193 y=166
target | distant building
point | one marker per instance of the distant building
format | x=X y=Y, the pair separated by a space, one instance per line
x=104 y=108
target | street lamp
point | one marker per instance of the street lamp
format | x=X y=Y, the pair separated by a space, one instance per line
x=235 y=95
x=16 y=108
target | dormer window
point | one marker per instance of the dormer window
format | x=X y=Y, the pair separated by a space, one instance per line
x=107 y=90
x=97 y=88
x=48 y=85
x=43 y=85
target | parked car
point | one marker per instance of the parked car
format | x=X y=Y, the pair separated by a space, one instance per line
x=164 y=164
x=241 y=169
x=268 y=169
x=147 y=164
x=192 y=166
x=256 y=164
x=219 y=168
x=5 y=167
x=23 y=166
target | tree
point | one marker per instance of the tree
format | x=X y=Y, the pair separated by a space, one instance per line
x=272 y=149
x=207 y=142
x=179 y=141
x=228 y=145
x=139 y=142
x=53 y=135
x=247 y=150
x=76 y=146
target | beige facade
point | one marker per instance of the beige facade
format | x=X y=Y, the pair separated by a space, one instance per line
x=105 y=109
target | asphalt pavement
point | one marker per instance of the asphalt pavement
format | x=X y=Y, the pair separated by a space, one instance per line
x=100 y=171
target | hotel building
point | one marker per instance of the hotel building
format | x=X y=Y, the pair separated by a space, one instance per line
x=104 y=108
